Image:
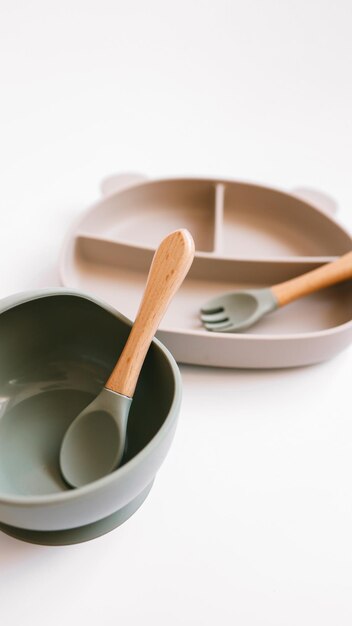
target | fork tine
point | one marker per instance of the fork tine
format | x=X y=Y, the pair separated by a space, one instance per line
x=209 y=309
x=214 y=317
x=226 y=328
x=219 y=326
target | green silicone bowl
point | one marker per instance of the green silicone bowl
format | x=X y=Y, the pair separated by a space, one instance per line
x=57 y=349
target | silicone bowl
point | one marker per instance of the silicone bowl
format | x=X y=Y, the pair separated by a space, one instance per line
x=57 y=349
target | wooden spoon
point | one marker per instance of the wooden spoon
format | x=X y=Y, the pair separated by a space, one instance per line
x=94 y=443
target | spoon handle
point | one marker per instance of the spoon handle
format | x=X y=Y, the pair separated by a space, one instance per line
x=169 y=267
x=324 y=276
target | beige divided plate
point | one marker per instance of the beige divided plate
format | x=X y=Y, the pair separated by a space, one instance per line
x=246 y=236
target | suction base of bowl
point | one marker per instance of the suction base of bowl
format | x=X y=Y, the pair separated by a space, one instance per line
x=82 y=533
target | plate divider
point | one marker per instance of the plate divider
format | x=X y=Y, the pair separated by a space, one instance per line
x=220 y=189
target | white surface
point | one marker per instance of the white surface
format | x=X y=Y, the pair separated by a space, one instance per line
x=249 y=521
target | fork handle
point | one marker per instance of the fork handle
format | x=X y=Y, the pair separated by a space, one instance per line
x=324 y=276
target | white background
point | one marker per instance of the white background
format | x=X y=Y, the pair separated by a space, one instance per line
x=250 y=519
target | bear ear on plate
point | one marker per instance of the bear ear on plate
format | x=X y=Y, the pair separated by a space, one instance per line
x=118 y=182
x=320 y=200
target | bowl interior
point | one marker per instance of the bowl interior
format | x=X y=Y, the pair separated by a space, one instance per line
x=56 y=354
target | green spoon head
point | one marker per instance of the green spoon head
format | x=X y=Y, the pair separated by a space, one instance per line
x=94 y=443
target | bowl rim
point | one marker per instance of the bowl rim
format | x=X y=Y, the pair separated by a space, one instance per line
x=15 y=300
